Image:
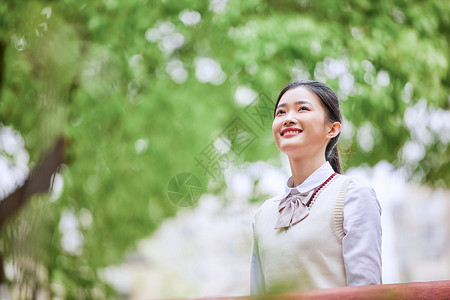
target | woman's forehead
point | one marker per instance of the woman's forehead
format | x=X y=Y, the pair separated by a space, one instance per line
x=299 y=94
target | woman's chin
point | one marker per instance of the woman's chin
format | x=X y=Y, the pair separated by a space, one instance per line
x=290 y=150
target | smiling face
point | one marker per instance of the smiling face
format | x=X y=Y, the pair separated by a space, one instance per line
x=301 y=126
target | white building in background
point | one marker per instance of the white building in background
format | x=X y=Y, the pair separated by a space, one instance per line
x=422 y=226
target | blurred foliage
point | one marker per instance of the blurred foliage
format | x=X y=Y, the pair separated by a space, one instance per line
x=120 y=80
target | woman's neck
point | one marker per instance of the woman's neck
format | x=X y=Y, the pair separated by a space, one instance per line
x=302 y=167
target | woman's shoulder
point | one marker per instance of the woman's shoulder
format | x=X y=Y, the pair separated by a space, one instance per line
x=361 y=193
x=356 y=184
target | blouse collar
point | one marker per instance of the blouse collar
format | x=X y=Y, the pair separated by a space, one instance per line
x=312 y=182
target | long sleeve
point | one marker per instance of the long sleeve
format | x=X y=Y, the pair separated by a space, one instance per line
x=361 y=245
x=256 y=274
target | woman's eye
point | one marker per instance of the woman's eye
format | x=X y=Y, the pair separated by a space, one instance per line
x=303 y=108
x=280 y=112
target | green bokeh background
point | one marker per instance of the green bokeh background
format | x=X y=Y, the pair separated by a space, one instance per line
x=85 y=71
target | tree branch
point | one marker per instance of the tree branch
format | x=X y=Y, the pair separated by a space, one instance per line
x=38 y=182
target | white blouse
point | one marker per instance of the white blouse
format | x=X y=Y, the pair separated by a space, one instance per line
x=361 y=245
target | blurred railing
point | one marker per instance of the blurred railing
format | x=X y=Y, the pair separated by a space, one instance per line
x=438 y=290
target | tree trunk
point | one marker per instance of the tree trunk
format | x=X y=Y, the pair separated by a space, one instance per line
x=36 y=183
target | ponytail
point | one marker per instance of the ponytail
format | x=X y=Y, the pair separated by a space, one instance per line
x=332 y=155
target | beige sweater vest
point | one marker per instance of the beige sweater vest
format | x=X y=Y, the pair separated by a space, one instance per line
x=307 y=255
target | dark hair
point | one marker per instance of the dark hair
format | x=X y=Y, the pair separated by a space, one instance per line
x=331 y=104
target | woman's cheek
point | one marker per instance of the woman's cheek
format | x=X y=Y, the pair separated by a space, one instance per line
x=275 y=131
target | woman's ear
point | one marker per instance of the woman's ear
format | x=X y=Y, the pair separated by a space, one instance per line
x=334 y=129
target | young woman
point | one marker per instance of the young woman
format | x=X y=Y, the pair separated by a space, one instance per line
x=325 y=230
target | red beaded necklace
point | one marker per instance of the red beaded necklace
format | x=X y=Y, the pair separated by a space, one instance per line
x=320 y=187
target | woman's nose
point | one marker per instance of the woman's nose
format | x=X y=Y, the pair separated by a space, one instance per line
x=289 y=119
